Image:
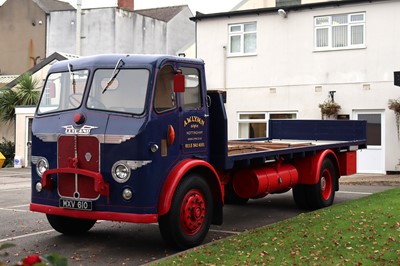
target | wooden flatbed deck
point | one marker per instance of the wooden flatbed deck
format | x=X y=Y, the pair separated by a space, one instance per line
x=239 y=147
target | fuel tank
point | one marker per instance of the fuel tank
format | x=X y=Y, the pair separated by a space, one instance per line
x=260 y=181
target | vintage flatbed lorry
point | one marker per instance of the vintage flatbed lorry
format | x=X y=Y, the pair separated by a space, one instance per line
x=138 y=138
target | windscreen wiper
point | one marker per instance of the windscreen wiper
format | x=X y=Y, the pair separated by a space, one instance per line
x=114 y=74
x=72 y=75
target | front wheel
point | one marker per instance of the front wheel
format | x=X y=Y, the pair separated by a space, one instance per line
x=70 y=226
x=188 y=221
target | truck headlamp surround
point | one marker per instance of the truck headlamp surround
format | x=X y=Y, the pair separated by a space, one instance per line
x=41 y=166
x=121 y=172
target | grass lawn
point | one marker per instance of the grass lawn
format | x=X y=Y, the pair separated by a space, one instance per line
x=359 y=232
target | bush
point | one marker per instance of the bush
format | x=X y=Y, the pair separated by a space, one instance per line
x=7 y=148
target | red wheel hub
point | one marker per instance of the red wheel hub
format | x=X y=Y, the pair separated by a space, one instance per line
x=326 y=184
x=193 y=211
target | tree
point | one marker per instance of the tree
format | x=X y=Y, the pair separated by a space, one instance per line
x=26 y=93
x=8 y=101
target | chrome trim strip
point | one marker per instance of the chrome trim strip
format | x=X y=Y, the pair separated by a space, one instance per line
x=106 y=139
x=35 y=159
x=47 y=137
x=136 y=164
x=114 y=139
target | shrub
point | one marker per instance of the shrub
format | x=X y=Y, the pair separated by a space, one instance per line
x=7 y=148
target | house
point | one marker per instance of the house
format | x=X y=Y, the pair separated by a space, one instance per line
x=35 y=29
x=253 y=4
x=176 y=18
x=23 y=27
x=121 y=29
x=287 y=60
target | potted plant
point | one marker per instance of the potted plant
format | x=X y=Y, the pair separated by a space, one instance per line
x=395 y=106
x=329 y=109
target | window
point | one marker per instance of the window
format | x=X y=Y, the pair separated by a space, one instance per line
x=243 y=38
x=342 y=31
x=191 y=98
x=255 y=125
x=374 y=128
x=63 y=91
x=164 y=98
x=125 y=93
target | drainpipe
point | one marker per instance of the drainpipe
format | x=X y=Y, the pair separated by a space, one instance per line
x=78 y=26
x=224 y=66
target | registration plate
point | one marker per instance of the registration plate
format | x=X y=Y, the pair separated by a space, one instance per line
x=76 y=204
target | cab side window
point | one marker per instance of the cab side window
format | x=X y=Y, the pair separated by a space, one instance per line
x=164 y=98
x=191 y=98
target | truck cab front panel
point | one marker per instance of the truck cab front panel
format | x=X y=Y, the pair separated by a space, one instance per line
x=104 y=141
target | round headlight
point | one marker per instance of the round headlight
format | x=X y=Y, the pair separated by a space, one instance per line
x=41 y=166
x=121 y=172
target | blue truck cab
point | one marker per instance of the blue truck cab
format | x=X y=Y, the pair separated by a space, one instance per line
x=137 y=138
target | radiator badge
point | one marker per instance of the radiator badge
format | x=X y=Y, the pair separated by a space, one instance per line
x=71 y=130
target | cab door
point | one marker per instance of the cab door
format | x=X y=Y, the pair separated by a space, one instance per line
x=178 y=126
x=162 y=131
x=194 y=115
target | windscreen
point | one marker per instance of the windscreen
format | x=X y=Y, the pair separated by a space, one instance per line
x=123 y=90
x=63 y=91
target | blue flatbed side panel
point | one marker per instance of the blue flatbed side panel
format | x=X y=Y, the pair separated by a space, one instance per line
x=338 y=135
x=340 y=130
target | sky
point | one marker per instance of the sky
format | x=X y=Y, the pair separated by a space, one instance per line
x=203 y=6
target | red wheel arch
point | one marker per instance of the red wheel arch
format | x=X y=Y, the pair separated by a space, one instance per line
x=175 y=176
x=309 y=168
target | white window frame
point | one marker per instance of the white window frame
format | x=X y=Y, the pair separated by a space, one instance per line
x=267 y=117
x=329 y=26
x=241 y=33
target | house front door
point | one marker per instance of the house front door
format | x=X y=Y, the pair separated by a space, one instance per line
x=372 y=159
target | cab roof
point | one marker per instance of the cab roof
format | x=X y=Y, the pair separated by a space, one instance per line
x=130 y=60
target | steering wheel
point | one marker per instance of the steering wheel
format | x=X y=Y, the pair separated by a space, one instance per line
x=75 y=101
x=95 y=103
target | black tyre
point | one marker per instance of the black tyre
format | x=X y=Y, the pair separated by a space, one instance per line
x=320 y=195
x=70 y=226
x=188 y=221
x=299 y=196
x=231 y=197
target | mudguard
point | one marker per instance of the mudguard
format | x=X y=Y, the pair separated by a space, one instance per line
x=176 y=175
x=309 y=169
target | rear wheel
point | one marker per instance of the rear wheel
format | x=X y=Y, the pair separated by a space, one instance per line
x=231 y=197
x=70 y=226
x=188 y=221
x=320 y=195
x=299 y=195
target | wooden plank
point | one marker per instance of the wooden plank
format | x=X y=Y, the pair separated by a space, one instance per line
x=232 y=152
x=235 y=147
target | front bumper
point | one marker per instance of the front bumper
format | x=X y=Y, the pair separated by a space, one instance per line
x=95 y=215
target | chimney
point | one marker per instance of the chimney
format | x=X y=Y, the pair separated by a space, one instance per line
x=126 y=4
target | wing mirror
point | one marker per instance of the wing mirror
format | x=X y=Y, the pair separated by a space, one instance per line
x=179 y=81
